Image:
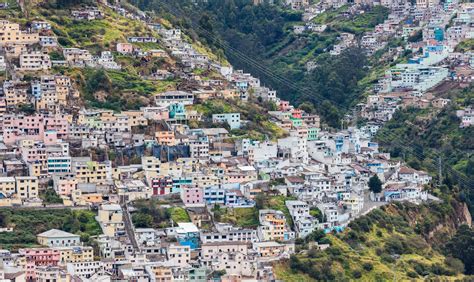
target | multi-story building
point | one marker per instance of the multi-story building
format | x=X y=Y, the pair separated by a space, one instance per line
x=35 y=61
x=232 y=119
x=10 y=33
x=111 y=219
x=179 y=255
x=27 y=187
x=38 y=257
x=88 y=171
x=273 y=226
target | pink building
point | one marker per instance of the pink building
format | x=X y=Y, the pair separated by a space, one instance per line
x=58 y=123
x=284 y=105
x=18 y=127
x=22 y=127
x=192 y=196
x=50 y=137
x=39 y=257
x=124 y=48
x=297 y=113
x=37 y=153
x=65 y=185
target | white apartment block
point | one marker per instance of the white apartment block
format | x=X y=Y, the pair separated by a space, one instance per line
x=232 y=119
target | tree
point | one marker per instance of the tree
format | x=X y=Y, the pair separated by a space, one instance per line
x=142 y=220
x=375 y=185
x=461 y=246
x=259 y=201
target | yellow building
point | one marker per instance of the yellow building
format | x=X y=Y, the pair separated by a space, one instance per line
x=162 y=273
x=92 y=198
x=151 y=167
x=10 y=33
x=15 y=93
x=37 y=170
x=75 y=254
x=273 y=225
x=111 y=219
x=7 y=186
x=202 y=180
x=27 y=187
x=90 y=172
x=165 y=138
x=136 y=118
x=273 y=249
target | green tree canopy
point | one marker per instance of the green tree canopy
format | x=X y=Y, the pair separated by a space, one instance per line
x=375 y=185
x=461 y=246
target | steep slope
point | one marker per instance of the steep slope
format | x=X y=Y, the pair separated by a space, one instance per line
x=393 y=242
x=127 y=88
x=260 y=39
x=424 y=137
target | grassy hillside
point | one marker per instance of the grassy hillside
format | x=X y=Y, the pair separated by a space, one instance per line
x=149 y=214
x=422 y=136
x=117 y=90
x=384 y=245
x=257 y=126
x=260 y=39
x=248 y=217
x=29 y=222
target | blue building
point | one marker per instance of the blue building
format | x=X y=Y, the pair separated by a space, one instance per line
x=438 y=34
x=214 y=195
x=187 y=234
x=177 y=111
x=180 y=182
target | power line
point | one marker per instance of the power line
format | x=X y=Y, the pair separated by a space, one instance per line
x=257 y=65
x=306 y=93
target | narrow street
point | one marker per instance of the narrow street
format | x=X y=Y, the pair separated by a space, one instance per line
x=129 y=227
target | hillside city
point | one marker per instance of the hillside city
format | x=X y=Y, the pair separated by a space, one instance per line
x=151 y=158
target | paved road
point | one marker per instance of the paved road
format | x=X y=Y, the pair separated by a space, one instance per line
x=129 y=227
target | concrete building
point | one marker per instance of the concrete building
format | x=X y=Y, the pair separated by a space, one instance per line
x=58 y=238
x=232 y=119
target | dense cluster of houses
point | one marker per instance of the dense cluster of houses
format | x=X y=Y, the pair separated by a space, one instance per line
x=106 y=160
x=411 y=84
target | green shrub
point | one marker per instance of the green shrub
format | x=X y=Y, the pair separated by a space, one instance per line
x=367 y=266
x=455 y=264
x=412 y=274
x=357 y=274
x=387 y=258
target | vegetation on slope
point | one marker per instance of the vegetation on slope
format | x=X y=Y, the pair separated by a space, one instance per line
x=150 y=214
x=257 y=123
x=264 y=34
x=248 y=217
x=465 y=46
x=27 y=223
x=376 y=247
x=49 y=196
x=422 y=136
x=113 y=89
x=94 y=35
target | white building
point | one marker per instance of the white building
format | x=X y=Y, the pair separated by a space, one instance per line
x=415 y=76
x=232 y=119
x=58 y=238
x=3 y=64
x=179 y=255
x=174 y=97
